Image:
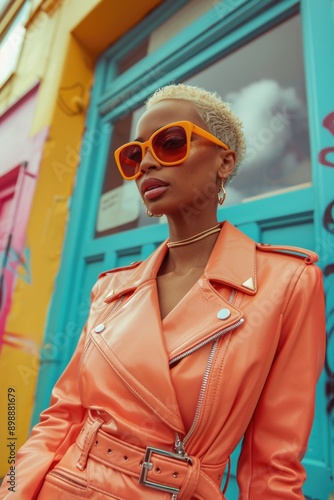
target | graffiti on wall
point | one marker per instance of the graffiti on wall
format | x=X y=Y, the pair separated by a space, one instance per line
x=326 y=158
x=14 y=265
x=324 y=155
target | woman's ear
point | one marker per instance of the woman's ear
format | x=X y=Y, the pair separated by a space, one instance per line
x=227 y=163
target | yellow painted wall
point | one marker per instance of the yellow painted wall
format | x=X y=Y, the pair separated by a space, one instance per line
x=59 y=50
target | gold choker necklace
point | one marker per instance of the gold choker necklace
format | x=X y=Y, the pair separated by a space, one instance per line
x=196 y=237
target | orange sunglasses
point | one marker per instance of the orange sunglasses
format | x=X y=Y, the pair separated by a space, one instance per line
x=169 y=145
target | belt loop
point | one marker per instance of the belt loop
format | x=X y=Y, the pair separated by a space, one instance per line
x=89 y=437
x=190 y=483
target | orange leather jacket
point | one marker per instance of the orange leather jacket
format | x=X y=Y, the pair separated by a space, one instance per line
x=151 y=409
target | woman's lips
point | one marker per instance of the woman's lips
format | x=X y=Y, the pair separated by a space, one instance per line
x=150 y=194
x=152 y=188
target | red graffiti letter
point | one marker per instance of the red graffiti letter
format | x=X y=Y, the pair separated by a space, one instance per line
x=328 y=122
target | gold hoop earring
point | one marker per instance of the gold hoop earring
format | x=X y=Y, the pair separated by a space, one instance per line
x=221 y=199
x=149 y=214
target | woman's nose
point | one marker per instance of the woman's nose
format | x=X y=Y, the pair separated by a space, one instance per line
x=149 y=162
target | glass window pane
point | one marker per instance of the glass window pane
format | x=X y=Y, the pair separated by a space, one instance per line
x=264 y=82
x=12 y=41
x=135 y=55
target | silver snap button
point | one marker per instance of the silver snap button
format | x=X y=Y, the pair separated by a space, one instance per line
x=223 y=314
x=99 y=328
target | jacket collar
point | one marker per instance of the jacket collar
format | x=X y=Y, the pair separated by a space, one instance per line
x=232 y=263
x=233 y=260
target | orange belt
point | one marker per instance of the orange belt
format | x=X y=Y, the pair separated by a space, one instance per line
x=179 y=475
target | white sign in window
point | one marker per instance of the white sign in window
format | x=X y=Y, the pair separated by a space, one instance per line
x=118 y=207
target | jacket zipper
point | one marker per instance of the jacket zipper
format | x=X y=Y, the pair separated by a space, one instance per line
x=67 y=479
x=202 y=392
x=180 y=444
x=204 y=342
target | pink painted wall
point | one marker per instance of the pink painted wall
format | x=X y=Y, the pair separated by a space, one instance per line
x=19 y=164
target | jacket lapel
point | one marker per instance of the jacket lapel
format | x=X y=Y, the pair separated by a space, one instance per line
x=134 y=343
x=233 y=260
x=205 y=311
x=201 y=316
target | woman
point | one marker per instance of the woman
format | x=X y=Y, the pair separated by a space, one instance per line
x=212 y=338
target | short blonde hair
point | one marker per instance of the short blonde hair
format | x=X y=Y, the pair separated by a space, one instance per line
x=216 y=113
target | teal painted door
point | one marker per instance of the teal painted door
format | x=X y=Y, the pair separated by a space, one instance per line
x=277 y=199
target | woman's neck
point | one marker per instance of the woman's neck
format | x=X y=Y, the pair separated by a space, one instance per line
x=181 y=259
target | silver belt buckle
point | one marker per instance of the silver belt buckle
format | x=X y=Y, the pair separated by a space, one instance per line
x=148 y=466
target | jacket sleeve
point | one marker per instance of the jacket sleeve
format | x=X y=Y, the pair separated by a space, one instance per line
x=58 y=428
x=276 y=440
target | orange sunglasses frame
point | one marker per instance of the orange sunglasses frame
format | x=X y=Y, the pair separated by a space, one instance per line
x=190 y=128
